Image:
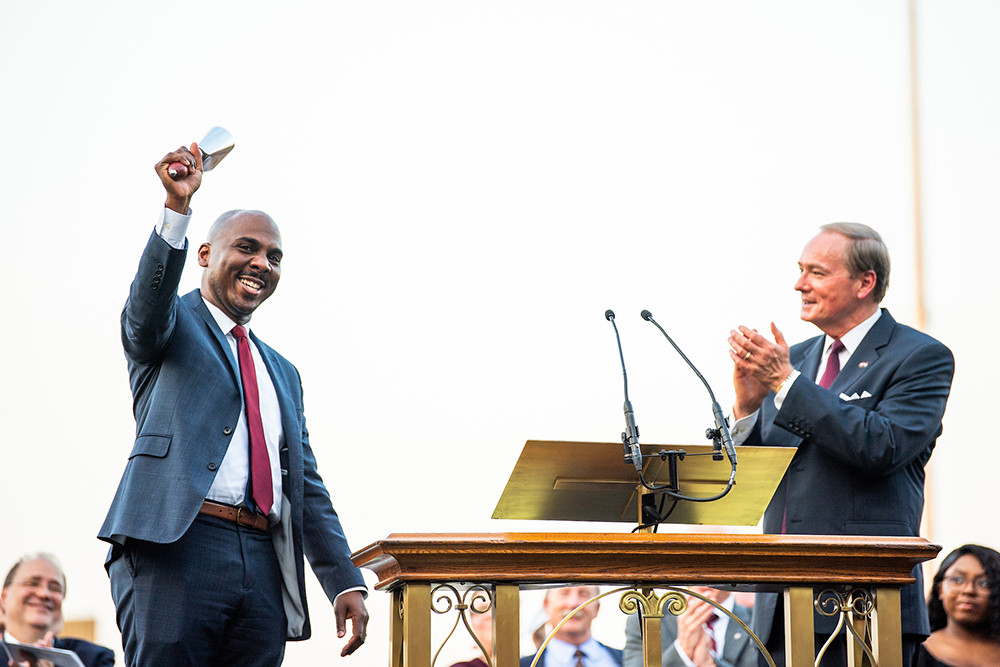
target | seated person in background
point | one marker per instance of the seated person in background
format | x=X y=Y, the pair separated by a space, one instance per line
x=700 y=637
x=31 y=605
x=964 y=611
x=482 y=625
x=573 y=645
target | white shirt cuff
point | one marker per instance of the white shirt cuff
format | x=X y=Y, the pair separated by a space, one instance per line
x=363 y=589
x=684 y=657
x=783 y=389
x=172 y=227
x=743 y=427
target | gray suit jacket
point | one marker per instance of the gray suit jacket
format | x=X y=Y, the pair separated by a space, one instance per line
x=859 y=464
x=187 y=400
x=738 y=651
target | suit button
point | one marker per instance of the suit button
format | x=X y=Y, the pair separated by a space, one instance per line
x=227 y=430
x=154 y=286
x=212 y=466
x=159 y=267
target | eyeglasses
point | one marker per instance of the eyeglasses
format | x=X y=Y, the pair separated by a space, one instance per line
x=39 y=584
x=956 y=582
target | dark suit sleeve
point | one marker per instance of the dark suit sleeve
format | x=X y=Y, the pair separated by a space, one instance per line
x=91 y=655
x=877 y=439
x=150 y=313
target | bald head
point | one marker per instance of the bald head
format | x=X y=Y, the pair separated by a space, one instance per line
x=230 y=217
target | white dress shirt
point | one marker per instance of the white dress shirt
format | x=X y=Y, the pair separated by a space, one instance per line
x=563 y=654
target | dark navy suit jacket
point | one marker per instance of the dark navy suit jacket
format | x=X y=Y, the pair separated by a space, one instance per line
x=187 y=401
x=859 y=464
x=91 y=655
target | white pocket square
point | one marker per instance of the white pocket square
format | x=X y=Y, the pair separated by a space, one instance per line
x=854 y=396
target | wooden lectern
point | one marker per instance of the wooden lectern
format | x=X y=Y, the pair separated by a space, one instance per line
x=862 y=575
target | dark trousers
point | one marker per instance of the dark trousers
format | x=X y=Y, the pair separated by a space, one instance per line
x=212 y=598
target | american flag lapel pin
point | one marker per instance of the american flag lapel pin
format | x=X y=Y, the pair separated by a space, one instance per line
x=863 y=364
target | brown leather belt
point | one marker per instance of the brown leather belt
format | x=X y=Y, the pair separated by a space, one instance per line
x=240 y=515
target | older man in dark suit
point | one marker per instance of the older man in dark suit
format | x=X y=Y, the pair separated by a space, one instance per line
x=31 y=610
x=862 y=404
x=221 y=496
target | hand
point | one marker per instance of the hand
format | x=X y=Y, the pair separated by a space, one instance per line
x=180 y=191
x=755 y=356
x=351 y=605
x=691 y=635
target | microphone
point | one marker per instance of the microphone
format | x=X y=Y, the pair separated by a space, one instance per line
x=630 y=437
x=720 y=420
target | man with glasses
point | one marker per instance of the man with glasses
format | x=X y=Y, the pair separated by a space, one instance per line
x=31 y=604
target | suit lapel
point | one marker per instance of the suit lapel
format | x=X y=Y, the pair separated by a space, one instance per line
x=809 y=366
x=866 y=355
x=197 y=304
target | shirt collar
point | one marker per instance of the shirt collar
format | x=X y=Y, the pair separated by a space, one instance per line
x=852 y=339
x=561 y=651
x=220 y=317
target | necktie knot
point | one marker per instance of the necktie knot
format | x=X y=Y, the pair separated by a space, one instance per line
x=579 y=655
x=239 y=332
x=832 y=365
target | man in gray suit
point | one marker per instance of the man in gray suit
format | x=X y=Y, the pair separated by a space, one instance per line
x=221 y=496
x=695 y=638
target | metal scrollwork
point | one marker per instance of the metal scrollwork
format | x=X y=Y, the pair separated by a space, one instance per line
x=651 y=605
x=859 y=603
x=476 y=599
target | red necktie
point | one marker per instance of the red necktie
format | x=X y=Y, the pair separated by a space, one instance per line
x=711 y=630
x=260 y=463
x=832 y=365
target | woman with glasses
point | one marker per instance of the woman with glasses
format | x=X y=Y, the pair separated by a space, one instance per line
x=964 y=611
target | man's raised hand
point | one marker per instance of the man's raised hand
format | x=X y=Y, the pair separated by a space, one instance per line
x=181 y=189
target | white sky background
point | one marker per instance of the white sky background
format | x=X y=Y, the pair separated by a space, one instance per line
x=463 y=189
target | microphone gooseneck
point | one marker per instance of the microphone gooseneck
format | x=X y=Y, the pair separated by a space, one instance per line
x=720 y=420
x=630 y=437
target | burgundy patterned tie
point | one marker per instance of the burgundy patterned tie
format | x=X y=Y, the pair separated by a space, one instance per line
x=710 y=624
x=832 y=365
x=260 y=463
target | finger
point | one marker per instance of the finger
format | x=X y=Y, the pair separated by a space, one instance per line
x=779 y=337
x=359 y=626
x=740 y=344
x=196 y=153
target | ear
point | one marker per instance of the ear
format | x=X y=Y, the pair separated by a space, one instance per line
x=3 y=601
x=867 y=282
x=204 y=251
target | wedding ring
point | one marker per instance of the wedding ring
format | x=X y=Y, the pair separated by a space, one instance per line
x=748 y=356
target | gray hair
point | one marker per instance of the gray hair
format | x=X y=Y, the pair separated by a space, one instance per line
x=867 y=252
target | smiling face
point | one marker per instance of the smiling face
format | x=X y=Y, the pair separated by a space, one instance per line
x=833 y=299
x=242 y=260
x=32 y=603
x=964 y=592
x=559 y=602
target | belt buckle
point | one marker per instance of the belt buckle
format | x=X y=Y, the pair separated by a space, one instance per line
x=239 y=512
